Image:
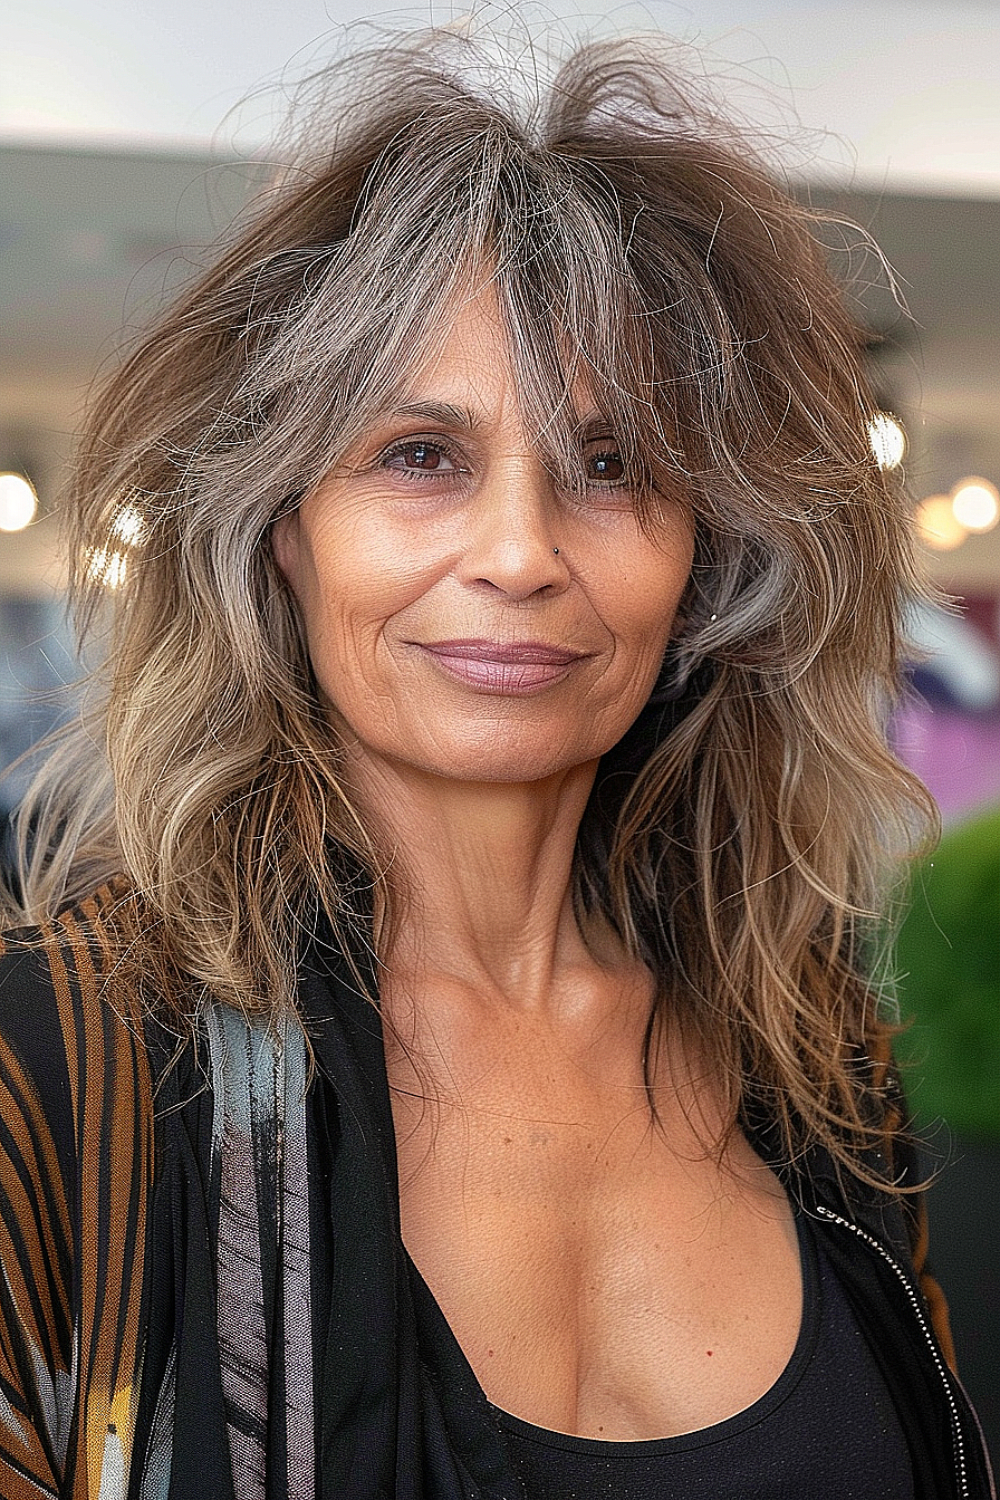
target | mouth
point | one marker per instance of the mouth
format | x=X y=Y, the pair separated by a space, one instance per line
x=514 y=668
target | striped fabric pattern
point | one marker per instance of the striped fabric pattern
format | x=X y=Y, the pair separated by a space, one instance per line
x=72 y=1236
x=73 y=1221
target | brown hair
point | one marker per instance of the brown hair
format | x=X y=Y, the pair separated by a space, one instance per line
x=739 y=836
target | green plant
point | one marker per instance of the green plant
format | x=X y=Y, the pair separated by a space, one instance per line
x=948 y=960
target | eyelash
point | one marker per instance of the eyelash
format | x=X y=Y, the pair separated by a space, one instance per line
x=397 y=449
x=438 y=445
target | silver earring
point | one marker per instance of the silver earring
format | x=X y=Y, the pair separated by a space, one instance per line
x=556 y=550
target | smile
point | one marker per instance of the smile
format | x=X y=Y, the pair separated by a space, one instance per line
x=515 y=668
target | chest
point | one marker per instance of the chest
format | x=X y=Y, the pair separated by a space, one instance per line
x=603 y=1273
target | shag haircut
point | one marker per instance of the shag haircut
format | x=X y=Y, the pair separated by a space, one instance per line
x=739 y=837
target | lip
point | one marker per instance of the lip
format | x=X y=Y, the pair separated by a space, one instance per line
x=511 y=668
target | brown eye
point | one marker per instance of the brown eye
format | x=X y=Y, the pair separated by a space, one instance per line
x=423 y=457
x=606 y=466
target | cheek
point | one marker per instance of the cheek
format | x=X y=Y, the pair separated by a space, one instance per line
x=353 y=579
x=335 y=563
x=650 y=591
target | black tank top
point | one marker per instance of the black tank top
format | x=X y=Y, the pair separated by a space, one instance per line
x=826 y=1429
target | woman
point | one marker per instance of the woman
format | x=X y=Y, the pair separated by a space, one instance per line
x=448 y=1063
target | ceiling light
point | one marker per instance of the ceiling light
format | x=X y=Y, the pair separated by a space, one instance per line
x=128 y=524
x=887 y=439
x=938 y=525
x=976 y=504
x=18 y=502
x=107 y=566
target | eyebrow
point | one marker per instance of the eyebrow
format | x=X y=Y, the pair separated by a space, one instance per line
x=439 y=413
x=444 y=414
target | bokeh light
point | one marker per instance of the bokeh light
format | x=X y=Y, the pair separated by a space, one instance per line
x=887 y=439
x=976 y=503
x=108 y=566
x=128 y=525
x=18 y=502
x=938 y=525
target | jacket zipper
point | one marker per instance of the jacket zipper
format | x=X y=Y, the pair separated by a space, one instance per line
x=956 y=1424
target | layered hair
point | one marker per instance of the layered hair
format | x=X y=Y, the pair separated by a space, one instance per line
x=738 y=838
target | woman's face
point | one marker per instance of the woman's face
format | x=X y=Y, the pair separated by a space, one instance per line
x=465 y=616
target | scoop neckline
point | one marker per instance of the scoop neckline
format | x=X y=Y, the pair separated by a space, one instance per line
x=649 y=1446
x=717 y=1432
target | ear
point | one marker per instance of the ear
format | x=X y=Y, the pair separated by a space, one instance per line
x=286 y=547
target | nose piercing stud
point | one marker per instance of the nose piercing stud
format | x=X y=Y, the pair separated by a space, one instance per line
x=556 y=550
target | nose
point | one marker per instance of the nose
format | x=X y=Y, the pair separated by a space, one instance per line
x=512 y=543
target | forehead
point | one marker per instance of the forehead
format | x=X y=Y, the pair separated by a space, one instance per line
x=467 y=374
x=466 y=359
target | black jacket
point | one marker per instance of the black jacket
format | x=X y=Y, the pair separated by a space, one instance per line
x=206 y=1294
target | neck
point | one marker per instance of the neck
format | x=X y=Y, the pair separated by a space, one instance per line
x=484 y=871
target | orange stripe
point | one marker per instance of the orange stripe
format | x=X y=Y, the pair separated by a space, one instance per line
x=102 y=1025
x=24 y=1275
x=33 y=1276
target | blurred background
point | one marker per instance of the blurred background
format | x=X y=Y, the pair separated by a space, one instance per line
x=130 y=135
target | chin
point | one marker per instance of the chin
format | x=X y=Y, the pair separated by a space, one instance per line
x=505 y=774
x=501 y=759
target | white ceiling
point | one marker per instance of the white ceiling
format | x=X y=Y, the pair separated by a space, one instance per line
x=900 y=94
